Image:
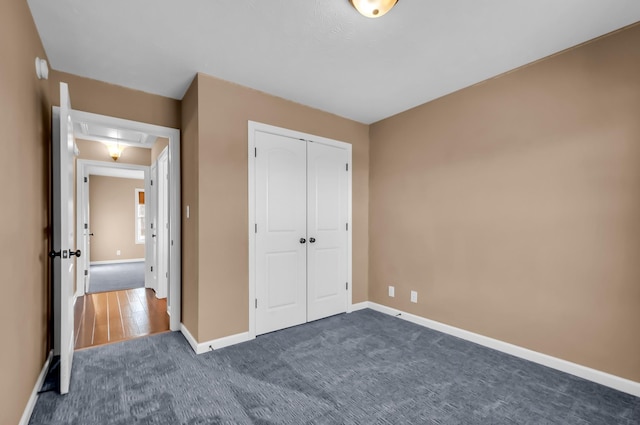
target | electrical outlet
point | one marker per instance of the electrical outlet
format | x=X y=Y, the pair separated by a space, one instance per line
x=392 y=291
x=414 y=296
x=118 y=252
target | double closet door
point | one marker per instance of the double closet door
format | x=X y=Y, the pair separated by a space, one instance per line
x=301 y=231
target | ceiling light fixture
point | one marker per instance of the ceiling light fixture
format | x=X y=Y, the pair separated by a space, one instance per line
x=373 y=8
x=115 y=150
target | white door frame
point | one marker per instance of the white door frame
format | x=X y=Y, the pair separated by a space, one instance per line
x=265 y=128
x=175 y=208
x=85 y=168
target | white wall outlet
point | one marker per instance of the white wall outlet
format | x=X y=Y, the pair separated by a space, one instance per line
x=118 y=252
x=414 y=296
x=392 y=291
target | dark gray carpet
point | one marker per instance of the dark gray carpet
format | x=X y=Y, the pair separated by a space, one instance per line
x=115 y=277
x=360 y=368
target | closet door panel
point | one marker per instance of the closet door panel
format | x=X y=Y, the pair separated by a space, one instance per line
x=327 y=216
x=281 y=223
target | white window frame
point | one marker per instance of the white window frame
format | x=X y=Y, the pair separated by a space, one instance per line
x=140 y=239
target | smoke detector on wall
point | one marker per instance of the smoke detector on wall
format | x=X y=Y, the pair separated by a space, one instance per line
x=42 y=69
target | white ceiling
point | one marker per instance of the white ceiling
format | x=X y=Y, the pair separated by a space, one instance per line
x=320 y=53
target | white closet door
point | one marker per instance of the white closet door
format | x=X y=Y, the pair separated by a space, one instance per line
x=327 y=194
x=281 y=290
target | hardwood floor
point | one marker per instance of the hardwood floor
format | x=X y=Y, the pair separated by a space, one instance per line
x=116 y=316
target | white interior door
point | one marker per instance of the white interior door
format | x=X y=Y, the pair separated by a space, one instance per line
x=280 y=179
x=162 y=231
x=63 y=236
x=327 y=218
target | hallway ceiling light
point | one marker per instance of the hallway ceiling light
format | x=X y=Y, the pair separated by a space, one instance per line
x=115 y=150
x=373 y=8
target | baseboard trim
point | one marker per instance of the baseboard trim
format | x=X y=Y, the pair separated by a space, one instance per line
x=131 y=260
x=31 y=403
x=214 y=344
x=584 y=372
x=360 y=306
x=190 y=339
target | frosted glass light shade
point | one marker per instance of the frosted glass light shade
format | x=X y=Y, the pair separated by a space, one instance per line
x=373 y=8
x=115 y=150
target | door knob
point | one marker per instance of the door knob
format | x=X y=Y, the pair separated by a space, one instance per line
x=312 y=240
x=77 y=253
x=302 y=240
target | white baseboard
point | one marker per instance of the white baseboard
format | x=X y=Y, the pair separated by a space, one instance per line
x=603 y=378
x=132 y=260
x=214 y=344
x=360 y=306
x=28 y=410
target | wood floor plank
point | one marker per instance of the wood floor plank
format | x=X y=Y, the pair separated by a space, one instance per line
x=116 y=316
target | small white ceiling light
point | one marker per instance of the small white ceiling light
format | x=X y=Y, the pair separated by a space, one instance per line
x=42 y=69
x=373 y=8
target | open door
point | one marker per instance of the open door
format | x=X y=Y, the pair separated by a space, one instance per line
x=63 y=236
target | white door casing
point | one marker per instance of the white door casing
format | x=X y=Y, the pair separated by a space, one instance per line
x=329 y=290
x=63 y=235
x=151 y=280
x=327 y=191
x=86 y=168
x=83 y=232
x=175 y=213
x=280 y=233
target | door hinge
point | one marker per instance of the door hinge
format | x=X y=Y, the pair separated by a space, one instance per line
x=151 y=182
x=171 y=243
x=347 y=226
x=255 y=152
x=86 y=272
x=152 y=225
x=346 y=286
x=347 y=166
x=86 y=180
x=256 y=303
x=86 y=226
x=151 y=268
x=256 y=227
x=166 y=274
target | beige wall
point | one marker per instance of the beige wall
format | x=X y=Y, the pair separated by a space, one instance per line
x=24 y=217
x=97 y=151
x=112 y=206
x=190 y=187
x=107 y=99
x=223 y=110
x=513 y=207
